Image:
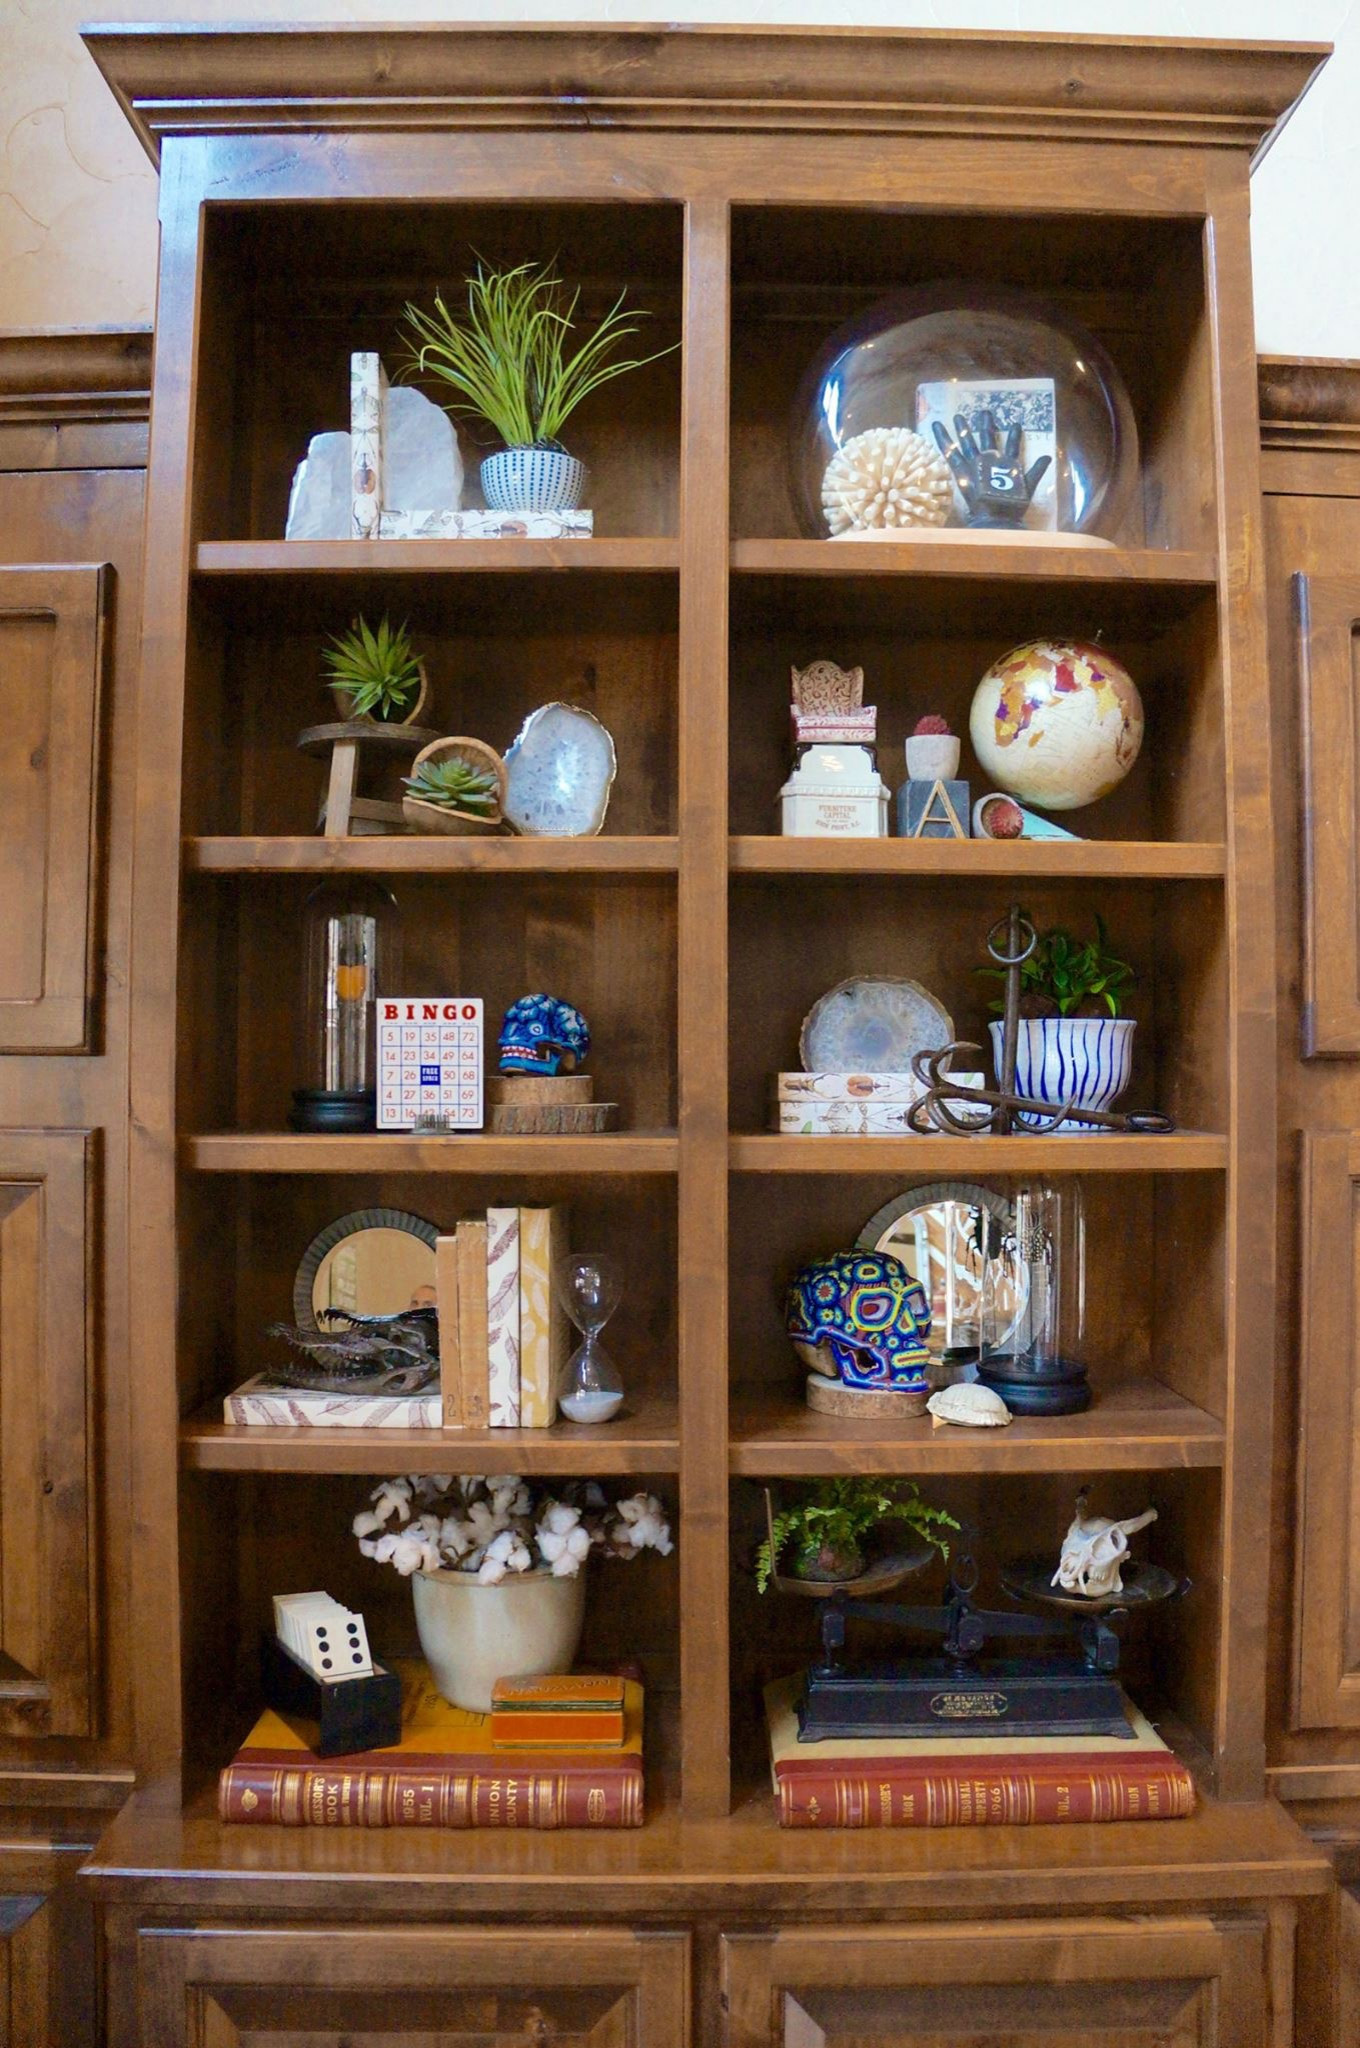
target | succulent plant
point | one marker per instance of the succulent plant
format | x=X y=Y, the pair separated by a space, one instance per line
x=377 y=671
x=455 y=785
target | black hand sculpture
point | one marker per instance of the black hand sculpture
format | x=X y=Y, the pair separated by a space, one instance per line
x=986 y=467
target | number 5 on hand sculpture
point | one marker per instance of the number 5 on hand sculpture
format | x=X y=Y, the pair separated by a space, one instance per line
x=987 y=470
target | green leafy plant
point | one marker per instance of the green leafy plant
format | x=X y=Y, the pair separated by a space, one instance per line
x=834 y=1517
x=510 y=360
x=455 y=785
x=1069 y=977
x=377 y=671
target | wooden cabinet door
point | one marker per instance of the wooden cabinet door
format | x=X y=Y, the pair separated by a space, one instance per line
x=1185 y=1983
x=1326 y=1677
x=366 y=1987
x=47 y=1970
x=47 y=1552
x=51 y=669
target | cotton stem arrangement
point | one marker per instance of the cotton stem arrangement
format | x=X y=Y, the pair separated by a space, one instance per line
x=489 y=1528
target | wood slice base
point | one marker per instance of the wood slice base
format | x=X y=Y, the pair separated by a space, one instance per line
x=557 y=1088
x=855 y=1404
x=552 y=1119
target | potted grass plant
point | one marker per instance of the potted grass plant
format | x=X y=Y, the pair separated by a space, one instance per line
x=376 y=674
x=1075 y=1045
x=455 y=786
x=518 y=360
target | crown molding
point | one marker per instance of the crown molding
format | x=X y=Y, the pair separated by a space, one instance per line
x=1309 y=402
x=57 y=376
x=200 y=80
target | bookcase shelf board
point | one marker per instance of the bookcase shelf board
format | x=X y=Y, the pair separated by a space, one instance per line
x=496 y=859
x=706 y=171
x=1113 y=860
x=915 y=1158
x=617 y=1152
x=642 y=1438
x=1140 y=1426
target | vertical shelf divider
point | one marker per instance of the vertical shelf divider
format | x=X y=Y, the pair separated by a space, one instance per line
x=702 y=973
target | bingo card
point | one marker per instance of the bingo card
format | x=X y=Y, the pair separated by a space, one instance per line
x=429 y=1061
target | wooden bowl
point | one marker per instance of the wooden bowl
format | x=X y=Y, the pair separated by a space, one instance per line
x=421 y=816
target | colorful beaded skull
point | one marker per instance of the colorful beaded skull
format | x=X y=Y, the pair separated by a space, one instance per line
x=543 y=1035
x=863 y=1316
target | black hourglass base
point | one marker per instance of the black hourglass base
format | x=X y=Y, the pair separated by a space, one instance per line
x=334 y=1110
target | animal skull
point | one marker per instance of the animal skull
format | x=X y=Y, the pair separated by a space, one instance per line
x=1092 y=1550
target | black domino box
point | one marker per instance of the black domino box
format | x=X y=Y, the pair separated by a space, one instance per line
x=353 y=1714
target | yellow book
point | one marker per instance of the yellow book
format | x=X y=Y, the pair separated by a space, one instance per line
x=543 y=1327
x=474 y=1406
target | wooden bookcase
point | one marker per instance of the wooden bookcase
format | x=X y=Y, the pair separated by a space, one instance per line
x=752 y=189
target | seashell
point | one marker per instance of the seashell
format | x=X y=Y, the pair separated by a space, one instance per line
x=974 y=1406
x=888 y=477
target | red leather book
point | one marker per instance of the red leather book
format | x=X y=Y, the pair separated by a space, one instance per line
x=971 y=1782
x=443 y=1773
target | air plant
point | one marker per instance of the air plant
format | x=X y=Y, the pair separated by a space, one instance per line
x=376 y=671
x=509 y=360
x=452 y=784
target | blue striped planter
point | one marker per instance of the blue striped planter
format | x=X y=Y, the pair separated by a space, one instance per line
x=1086 y=1061
x=533 y=480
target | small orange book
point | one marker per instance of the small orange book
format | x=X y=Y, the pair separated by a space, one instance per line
x=557 y=1713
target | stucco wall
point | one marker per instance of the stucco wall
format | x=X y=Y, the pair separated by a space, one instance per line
x=77 y=197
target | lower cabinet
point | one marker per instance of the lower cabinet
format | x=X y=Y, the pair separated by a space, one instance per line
x=366 y=1987
x=1176 y=1983
x=48 y=1992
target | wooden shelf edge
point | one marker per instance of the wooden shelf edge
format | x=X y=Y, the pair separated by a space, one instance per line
x=644 y=1442
x=1078 y=859
x=1141 y=1427
x=156 y=1857
x=1035 y=561
x=1091 y=1152
x=221 y=855
x=398 y=1152
x=429 y=557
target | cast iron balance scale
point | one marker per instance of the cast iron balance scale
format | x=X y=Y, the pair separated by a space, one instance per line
x=1073 y=1690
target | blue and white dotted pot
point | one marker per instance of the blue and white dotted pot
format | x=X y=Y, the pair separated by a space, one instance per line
x=1086 y=1061
x=533 y=480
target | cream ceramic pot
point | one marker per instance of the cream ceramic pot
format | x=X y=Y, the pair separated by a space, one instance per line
x=526 y=1626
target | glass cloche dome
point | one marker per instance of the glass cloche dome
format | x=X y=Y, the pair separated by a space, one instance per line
x=951 y=408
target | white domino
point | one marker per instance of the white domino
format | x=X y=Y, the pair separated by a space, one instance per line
x=330 y=1640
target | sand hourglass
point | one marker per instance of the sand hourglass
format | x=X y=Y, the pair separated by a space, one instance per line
x=589 y=1286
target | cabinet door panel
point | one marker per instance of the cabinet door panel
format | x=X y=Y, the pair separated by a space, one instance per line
x=1326 y=1688
x=1327 y=613
x=47 y=1607
x=51 y=665
x=467 y=1987
x=1055 y=1984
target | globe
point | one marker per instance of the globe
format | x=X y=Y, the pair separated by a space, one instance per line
x=1057 y=723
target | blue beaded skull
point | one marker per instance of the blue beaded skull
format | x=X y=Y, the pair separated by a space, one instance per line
x=543 y=1035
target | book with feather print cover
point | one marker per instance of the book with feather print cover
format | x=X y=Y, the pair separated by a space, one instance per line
x=444 y=1772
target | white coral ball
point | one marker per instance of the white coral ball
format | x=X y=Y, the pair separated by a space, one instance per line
x=888 y=477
